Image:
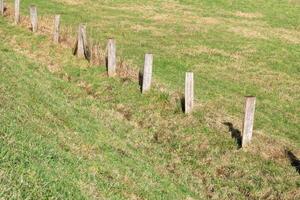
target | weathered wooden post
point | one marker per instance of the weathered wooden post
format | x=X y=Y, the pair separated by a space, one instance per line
x=147 y=75
x=33 y=18
x=81 y=48
x=17 y=11
x=111 y=57
x=56 y=28
x=189 y=92
x=248 y=120
x=2 y=7
x=80 y=41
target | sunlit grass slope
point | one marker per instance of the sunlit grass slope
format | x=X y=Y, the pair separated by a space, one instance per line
x=67 y=131
x=235 y=48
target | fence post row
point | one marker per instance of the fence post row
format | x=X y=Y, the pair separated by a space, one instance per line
x=82 y=51
x=2 y=7
x=248 y=120
x=147 y=75
x=56 y=28
x=111 y=57
x=189 y=92
x=33 y=18
x=17 y=11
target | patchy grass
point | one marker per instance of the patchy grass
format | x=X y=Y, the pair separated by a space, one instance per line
x=61 y=117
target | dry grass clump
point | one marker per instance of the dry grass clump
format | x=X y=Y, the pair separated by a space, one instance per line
x=248 y=32
x=200 y=49
x=248 y=15
x=72 y=2
x=267 y=33
x=255 y=27
x=97 y=55
x=125 y=69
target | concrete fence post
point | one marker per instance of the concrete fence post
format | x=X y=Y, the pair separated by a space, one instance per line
x=147 y=75
x=33 y=18
x=248 y=120
x=2 y=7
x=189 y=92
x=17 y=11
x=111 y=57
x=82 y=46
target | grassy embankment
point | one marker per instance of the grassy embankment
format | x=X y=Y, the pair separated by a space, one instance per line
x=76 y=133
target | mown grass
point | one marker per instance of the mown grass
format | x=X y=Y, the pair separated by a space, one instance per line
x=77 y=134
x=235 y=49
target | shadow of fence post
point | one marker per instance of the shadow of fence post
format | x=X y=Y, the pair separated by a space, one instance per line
x=295 y=162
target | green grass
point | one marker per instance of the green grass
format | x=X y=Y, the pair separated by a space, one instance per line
x=190 y=36
x=76 y=134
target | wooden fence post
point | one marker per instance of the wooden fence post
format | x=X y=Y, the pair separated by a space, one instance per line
x=80 y=42
x=17 y=11
x=111 y=57
x=33 y=18
x=56 y=28
x=82 y=46
x=2 y=7
x=248 y=120
x=189 y=92
x=147 y=75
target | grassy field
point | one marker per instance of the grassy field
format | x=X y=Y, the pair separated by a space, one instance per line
x=69 y=132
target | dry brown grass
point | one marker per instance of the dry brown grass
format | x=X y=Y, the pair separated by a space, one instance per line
x=251 y=25
x=196 y=50
x=248 y=15
x=169 y=13
x=90 y=189
x=126 y=69
x=258 y=29
x=271 y=148
x=290 y=36
x=248 y=32
x=73 y=2
x=155 y=31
